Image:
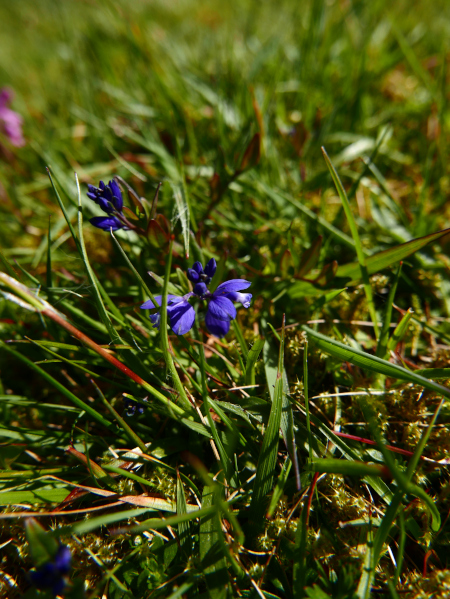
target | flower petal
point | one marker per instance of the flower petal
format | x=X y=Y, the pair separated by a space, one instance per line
x=117 y=195
x=106 y=223
x=216 y=326
x=222 y=308
x=171 y=299
x=232 y=285
x=181 y=316
x=148 y=305
x=243 y=298
x=210 y=268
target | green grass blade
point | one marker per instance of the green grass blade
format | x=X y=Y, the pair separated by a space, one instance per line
x=345 y=467
x=306 y=394
x=299 y=566
x=384 y=334
x=252 y=358
x=240 y=337
x=64 y=211
x=225 y=459
x=184 y=529
x=92 y=278
x=287 y=417
x=400 y=330
x=183 y=214
x=213 y=562
x=387 y=258
x=372 y=363
x=279 y=487
x=165 y=338
x=280 y=197
x=129 y=432
x=368 y=569
x=267 y=461
x=145 y=290
x=358 y=246
x=70 y=396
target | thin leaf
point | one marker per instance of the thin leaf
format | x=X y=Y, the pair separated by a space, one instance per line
x=252 y=358
x=240 y=337
x=346 y=467
x=35 y=496
x=287 y=417
x=184 y=529
x=382 y=260
x=310 y=258
x=400 y=330
x=252 y=153
x=358 y=246
x=115 y=338
x=213 y=562
x=384 y=335
x=281 y=198
x=372 y=363
x=267 y=461
x=182 y=210
x=70 y=396
x=279 y=487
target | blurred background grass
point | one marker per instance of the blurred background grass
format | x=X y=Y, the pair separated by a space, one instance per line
x=94 y=78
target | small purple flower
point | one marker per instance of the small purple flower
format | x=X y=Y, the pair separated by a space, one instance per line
x=109 y=198
x=51 y=575
x=12 y=121
x=220 y=311
x=131 y=406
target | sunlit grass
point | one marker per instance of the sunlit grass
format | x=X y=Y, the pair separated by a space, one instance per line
x=231 y=482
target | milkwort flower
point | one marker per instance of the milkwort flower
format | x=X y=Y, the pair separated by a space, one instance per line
x=132 y=406
x=220 y=311
x=109 y=198
x=51 y=574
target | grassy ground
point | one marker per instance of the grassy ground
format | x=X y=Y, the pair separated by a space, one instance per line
x=327 y=474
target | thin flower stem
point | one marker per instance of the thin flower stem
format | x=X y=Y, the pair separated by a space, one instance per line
x=123 y=219
x=124 y=425
x=305 y=391
x=165 y=338
x=112 y=360
x=40 y=305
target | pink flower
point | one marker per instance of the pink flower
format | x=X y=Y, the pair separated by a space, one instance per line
x=10 y=121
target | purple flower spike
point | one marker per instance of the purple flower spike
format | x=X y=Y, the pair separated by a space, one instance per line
x=109 y=198
x=220 y=311
x=12 y=121
x=106 y=223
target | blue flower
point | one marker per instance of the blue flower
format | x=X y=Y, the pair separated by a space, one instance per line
x=109 y=198
x=51 y=575
x=220 y=311
x=131 y=406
